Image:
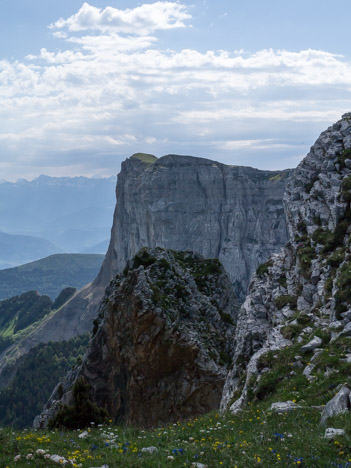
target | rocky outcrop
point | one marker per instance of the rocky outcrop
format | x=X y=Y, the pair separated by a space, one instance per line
x=337 y=405
x=162 y=348
x=308 y=281
x=231 y=213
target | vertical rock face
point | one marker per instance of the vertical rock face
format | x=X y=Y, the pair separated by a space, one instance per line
x=231 y=213
x=161 y=350
x=310 y=279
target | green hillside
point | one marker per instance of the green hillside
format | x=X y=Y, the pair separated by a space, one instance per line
x=20 y=311
x=50 y=275
x=19 y=314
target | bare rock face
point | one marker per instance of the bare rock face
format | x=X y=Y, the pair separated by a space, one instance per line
x=231 y=213
x=162 y=348
x=310 y=277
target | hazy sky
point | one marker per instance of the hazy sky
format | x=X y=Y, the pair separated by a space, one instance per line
x=85 y=85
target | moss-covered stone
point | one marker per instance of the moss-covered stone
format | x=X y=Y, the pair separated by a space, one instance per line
x=322 y=236
x=306 y=254
x=343 y=295
x=346 y=154
x=263 y=268
x=286 y=299
x=336 y=258
x=143 y=258
x=346 y=189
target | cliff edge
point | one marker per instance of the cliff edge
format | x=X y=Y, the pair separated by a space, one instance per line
x=300 y=298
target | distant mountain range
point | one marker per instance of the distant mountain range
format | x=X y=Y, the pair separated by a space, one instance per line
x=50 y=275
x=58 y=214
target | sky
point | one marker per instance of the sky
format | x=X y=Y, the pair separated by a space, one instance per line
x=84 y=85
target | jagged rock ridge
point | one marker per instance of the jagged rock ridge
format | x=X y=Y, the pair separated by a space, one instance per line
x=308 y=281
x=162 y=348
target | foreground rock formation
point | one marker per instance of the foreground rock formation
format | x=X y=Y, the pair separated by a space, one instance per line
x=163 y=345
x=231 y=213
x=302 y=294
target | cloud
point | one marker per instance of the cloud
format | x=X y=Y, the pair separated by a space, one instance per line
x=112 y=90
x=141 y=20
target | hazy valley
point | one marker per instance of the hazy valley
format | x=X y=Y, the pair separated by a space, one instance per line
x=51 y=215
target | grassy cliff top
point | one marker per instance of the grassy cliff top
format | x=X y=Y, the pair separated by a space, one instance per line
x=144 y=157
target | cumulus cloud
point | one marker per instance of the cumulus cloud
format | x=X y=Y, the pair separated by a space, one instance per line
x=112 y=90
x=141 y=20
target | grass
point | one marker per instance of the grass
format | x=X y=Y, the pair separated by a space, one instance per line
x=346 y=188
x=285 y=380
x=346 y=154
x=283 y=175
x=144 y=157
x=343 y=295
x=306 y=254
x=256 y=438
x=285 y=299
x=263 y=268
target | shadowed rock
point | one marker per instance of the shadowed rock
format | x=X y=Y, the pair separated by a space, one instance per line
x=162 y=348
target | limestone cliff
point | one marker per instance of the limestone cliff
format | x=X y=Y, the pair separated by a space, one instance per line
x=308 y=282
x=231 y=213
x=162 y=348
